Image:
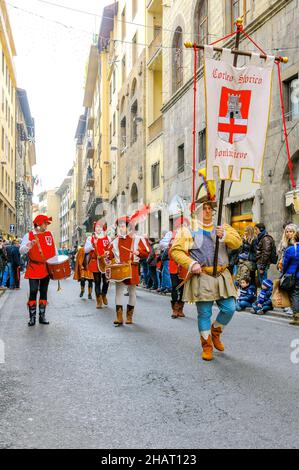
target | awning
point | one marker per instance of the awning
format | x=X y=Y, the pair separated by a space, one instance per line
x=240 y=198
x=290 y=197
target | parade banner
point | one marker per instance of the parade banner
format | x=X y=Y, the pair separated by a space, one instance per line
x=237 y=113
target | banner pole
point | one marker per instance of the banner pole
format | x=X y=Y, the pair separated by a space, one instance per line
x=222 y=187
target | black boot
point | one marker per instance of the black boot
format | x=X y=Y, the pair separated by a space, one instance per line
x=42 y=315
x=32 y=315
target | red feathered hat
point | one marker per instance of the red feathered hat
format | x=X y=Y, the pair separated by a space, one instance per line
x=181 y=221
x=41 y=219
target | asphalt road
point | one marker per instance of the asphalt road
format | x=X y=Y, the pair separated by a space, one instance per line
x=81 y=383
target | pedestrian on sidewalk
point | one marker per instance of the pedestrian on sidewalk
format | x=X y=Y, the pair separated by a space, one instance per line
x=97 y=247
x=16 y=263
x=39 y=244
x=177 y=290
x=152 y=261
x=263 y=303
x=3 y=265
x=9 y=272
x=165 y=274
x=81 y=273
x=291 y=267
x=247 y=295
x=195 y=251
x=247 y=256
x=288 y=239
x=265 y=252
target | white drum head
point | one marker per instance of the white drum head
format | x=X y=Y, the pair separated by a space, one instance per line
x=58 y=259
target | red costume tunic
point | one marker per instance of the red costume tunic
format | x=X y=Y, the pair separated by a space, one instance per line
x=119 y=251
x=36 y=268
x=101 y=246
x=174 y=268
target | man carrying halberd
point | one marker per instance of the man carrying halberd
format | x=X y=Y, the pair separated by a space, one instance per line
x=195 y=250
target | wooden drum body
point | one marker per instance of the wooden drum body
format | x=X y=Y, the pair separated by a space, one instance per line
x=119 y=272
x=59 y=268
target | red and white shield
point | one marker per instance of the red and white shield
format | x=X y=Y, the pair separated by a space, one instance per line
x=233 y=115
x=48 y=240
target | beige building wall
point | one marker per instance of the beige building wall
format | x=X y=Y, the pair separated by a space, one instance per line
x=154 y=119
x=7 y=123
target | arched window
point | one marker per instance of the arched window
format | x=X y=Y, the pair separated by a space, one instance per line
x=122 y=105
x=177 y=60
x=134 y=194
x=134 y=133
x=201 y=22
x=133 y=89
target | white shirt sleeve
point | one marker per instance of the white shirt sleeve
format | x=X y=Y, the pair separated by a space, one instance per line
x=23 y=247
x=88 y=246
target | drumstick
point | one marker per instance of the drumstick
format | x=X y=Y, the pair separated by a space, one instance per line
x=127 y=249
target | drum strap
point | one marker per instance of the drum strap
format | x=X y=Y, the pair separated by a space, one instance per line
x=40 y=250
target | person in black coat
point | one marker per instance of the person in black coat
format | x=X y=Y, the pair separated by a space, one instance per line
x=16 y=263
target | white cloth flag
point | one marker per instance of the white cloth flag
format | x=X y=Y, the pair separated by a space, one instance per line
x=238 y=109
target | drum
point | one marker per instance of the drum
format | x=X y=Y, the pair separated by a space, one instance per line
x=59 y=268
x=119 y=272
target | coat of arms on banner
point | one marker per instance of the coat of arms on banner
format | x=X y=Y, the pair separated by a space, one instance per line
x=233 y=115
x=238 y=103
x=48 y=241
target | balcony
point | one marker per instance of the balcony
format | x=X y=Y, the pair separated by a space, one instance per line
x=90 y=123
x=90 y=180
x=155 y=129
x=155 y=50
x=90 y=149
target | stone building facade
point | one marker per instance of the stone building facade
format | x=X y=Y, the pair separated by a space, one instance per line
x=25 y=160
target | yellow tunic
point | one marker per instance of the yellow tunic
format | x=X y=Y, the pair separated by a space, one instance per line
x=205 y=287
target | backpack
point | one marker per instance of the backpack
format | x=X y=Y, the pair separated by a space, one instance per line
x=274 y=255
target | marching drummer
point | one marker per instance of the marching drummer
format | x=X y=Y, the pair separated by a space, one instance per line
x=97 y=247
x=40 y=246
x=126 y=247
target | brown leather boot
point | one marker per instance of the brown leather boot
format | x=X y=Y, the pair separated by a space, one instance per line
x=119 y=316
x=181 y=310
x=105 y=300
x=175 y=310
x=295 y=321
x=130 y=313
x=216 y=333
x=99 y=302
x=207 y=346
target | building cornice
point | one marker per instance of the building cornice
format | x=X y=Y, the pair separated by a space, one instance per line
x=251 y=28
